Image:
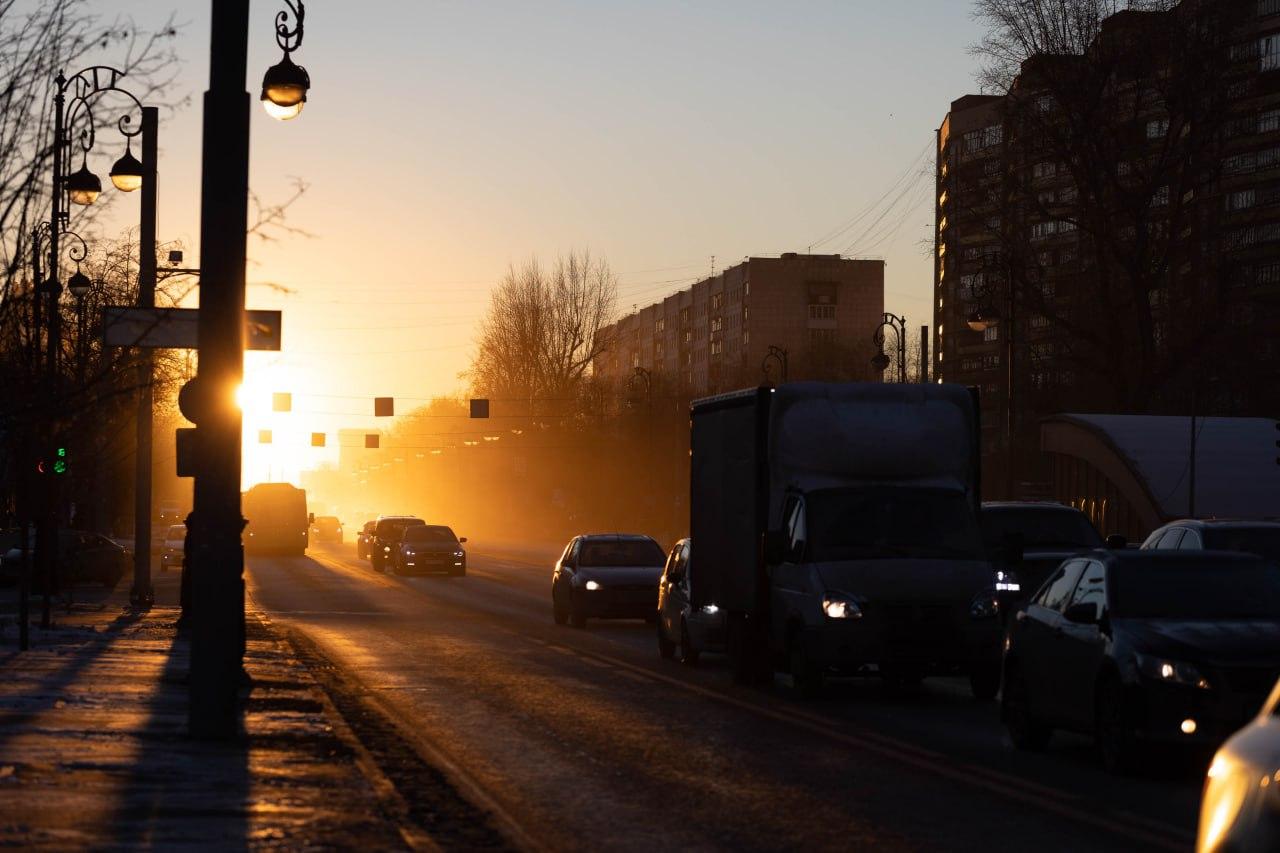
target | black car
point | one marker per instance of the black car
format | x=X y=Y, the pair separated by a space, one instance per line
x=606 y=575
x=1027 y=540
x=82 y=556
x=1144 y=647
x=387 y=532
x=1218 y=534
x=681 y=626
x=326 y=528
x=429 y=548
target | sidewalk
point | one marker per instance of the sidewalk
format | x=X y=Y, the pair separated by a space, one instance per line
x=94 y=753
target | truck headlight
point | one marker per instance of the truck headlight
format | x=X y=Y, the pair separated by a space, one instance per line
x=840 y=606
x=592 y=585
x=1172 y=672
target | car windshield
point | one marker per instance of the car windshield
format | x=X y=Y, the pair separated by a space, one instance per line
x=1263 y=541
x=176 y=531
x=1039 y=528
x=429 y=533
x=326 y=522
x=622 y=553
x=1244 y=589
x=890 y=523
x=391 y=528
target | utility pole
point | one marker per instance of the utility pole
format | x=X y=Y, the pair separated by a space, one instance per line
x=142 y=594
x=217 y=557
x=924 y=355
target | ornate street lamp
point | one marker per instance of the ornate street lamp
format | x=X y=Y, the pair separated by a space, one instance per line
x=880 y=361
x=83 y=186
x=285 y=85
x=126 y=174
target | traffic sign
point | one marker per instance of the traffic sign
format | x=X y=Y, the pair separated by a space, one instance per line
x=178 y=328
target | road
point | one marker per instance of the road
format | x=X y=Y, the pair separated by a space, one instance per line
x=586 y=739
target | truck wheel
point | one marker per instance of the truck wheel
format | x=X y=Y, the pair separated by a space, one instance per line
x=984 y=683
x=1025 y=731
x=688 y=654
x=806 y=674
x=666 y=648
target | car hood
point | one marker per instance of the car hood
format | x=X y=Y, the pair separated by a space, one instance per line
x=433 y=547
x=621 y=575
x=908 y=579
x=1230 y=642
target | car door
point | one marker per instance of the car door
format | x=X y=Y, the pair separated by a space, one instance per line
x=1035 y=637
x=1079 y=647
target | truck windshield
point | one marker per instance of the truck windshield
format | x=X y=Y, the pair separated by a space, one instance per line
x=890 y=523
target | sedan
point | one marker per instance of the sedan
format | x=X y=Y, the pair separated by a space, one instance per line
x=171 y=553
x=429 y=548
x=606 y=575
x=1240 y=806
x=681 y=626
x=1142 y=648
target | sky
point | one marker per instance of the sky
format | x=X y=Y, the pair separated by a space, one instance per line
x=444 y=141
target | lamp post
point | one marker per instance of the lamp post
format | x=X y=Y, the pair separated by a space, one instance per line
x=216 y=559
x=979 y=321
x=75 y=99
x=775 y=356
x=880 y=361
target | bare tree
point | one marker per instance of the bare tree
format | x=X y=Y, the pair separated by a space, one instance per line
x=543 y=329
x=1113 y=126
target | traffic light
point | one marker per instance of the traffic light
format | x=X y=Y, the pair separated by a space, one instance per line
x=317 y=439
x=479 y=408
x=60 y=460
x=383 y=407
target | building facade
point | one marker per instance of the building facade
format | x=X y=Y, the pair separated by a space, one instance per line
x=716 y=335
x=1107 y=233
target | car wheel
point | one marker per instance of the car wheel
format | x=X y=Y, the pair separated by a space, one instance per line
x=984 y=682
x=397 y=567
x=1025 y=730
x=559 y=611
x=688 y=654
x=1113 y=730
x=806 y=674
x=666 y=648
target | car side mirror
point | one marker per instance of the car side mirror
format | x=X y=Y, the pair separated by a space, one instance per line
x=1117 y=542
x=311 y=518
x=775 y=547
x=1084 y=613
x=462 y=539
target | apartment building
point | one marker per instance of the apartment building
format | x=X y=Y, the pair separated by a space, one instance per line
x=1130 y=263
x=715 y=335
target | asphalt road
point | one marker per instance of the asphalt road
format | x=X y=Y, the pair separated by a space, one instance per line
x=586 y=739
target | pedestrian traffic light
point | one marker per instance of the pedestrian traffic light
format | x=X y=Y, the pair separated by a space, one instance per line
x=60 y=460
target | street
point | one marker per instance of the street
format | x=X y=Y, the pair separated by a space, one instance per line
x=583 y=739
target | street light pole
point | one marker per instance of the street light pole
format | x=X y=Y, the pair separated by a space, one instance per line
x=880 y=361
x=142 y=595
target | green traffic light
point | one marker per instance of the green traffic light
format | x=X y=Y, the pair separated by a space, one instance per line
x=60 y=467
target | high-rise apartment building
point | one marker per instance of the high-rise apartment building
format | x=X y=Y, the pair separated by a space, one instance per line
x=1108 y=232
x=715 y=335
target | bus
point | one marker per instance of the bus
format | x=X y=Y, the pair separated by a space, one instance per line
x=278 y=521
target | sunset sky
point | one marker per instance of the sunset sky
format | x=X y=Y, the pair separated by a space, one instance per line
x=443 y=141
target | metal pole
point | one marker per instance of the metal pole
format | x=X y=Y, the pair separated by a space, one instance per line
x=902 y=350
x=1191 y=462
x=142 y=595
x=217 y=556
x=924 y=354
x=1011 y=419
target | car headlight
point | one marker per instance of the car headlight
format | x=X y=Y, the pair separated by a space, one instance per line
x=710 y=609
x=984 y=606
x=409 y=552
x=1007 y=582
x=386 y=548
x=1172 y=672
x=592 y=585
x=837 y=605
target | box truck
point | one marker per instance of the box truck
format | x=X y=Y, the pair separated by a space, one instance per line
x=837 y=527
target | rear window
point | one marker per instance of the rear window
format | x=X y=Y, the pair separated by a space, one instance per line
x=622 y=554
x=1263 y=541
x=429 y=533
x=1196 y=590
x=391 y=527
x=1066 y=529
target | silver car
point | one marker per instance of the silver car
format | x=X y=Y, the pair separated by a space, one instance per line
x=1240 y=807
x=681 y=626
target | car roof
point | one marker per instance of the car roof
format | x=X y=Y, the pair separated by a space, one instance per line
x=1169 y=556
x=398 y=518
x=616 y=537
x=1203 y=523
x=1051 y=506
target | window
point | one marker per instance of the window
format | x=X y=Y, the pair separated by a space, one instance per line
x=659 y=326
x=1092 y=588
x=822 y=312
x=991 y=362
x=717 y=323
x=717 y=299
x=1055 y=593
x=1190 y=541
x=1269 y=52
x=1160 y=198
x=1268 y=121
x=1240 y=200
x=822 y=337
x=717 y=347
x=1158 y=128
x=991 y=333
x=1046 y=169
